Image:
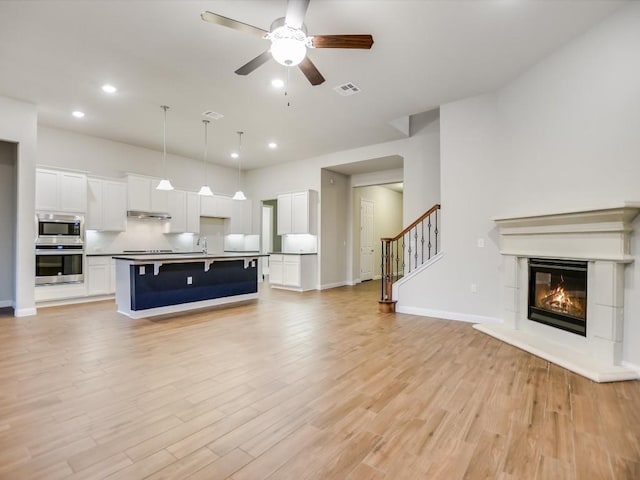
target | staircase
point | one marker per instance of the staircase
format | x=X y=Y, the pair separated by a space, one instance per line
x=407 y=251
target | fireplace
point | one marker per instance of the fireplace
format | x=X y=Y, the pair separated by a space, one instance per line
x=538 y=291
x=558 y=294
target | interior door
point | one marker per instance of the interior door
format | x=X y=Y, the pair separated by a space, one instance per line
x=366 y=240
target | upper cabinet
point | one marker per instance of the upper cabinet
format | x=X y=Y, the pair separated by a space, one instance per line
x=184 y=208
x=297 y=212
x=240 y=220
x=59 y=191
x=142 y=194
x=216 y=206
x=106 y=205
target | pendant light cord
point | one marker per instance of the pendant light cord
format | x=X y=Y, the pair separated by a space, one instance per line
x=164 y=141
x=206 y=145
x=239 y=157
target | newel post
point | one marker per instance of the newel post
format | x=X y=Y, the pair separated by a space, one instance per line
x=386 y=303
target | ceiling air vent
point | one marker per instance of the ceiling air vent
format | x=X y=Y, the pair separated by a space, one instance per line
x=212 y=115
x=347 y=89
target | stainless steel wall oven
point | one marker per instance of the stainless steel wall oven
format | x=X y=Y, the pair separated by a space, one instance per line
x=59 y=249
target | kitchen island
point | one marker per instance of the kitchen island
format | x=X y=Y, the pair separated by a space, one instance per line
x=150 y=285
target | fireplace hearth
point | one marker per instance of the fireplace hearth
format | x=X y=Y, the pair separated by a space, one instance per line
x=558 y=294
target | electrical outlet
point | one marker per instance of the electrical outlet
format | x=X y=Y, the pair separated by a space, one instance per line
x=189 y=280
x=142 y=270
x=474 y=288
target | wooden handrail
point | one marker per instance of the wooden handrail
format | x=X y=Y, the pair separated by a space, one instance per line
x=419 y=250
x=407 y=229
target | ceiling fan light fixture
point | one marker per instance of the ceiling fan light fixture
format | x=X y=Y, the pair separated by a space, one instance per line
x=288 y=51
x=288 y=45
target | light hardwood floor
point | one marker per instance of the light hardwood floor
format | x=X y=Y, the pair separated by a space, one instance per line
x=315 y=385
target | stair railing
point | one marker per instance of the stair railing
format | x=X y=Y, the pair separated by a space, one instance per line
x=407 y=251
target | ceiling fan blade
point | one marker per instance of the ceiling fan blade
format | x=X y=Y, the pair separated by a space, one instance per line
x=296 y=10
x=250 y=66
x=310 y=71
x=342 y=41
x=231 y=23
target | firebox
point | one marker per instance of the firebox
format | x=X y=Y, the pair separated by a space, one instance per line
x=558 y=293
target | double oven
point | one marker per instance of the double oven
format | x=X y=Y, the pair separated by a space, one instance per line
x=59 y=249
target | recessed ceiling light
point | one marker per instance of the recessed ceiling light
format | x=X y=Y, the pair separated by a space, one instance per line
x=234 y=155
x=106 y=88
x=277 y=83
x=273 y=145
x=77 y=114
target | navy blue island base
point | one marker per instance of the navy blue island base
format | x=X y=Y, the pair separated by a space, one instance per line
x=160 y=284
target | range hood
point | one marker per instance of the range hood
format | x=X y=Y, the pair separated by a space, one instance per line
x=142 y=214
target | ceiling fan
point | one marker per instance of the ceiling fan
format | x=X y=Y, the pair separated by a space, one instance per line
x=289 y=40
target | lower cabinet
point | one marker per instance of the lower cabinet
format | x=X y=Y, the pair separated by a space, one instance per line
x=100 y=276
x=293 y=272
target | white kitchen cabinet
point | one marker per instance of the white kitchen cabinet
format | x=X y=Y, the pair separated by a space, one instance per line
x=240 y=220
x=184 y=208
x=139 y=193
x=159 y=198
x=293 y=272
x=276 y=266
x=193 y=212
x=106 y=205
x=60 y=191
x=98 y=276
x=143 y=195
x=112 y=275
x=297 y=212
x=216 y=206
x=177 y=208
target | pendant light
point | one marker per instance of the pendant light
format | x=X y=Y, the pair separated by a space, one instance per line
x=239 y=195
x=164 y=184
x=204 y=189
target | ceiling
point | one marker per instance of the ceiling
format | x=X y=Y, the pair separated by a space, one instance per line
x=57 y=54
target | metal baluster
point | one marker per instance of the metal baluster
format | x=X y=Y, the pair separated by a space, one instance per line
x=415 y=254
x=422 y=241
x=429 y=229
x=404 y=246
x=436 y=231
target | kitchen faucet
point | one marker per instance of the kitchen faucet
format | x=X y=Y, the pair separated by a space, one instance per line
x=204 y=243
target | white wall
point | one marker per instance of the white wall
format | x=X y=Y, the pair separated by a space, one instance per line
x=8 y=168
x=562 y=136
x=97 y=156
x=18 y=123
x=470 y=179
x=421 y=175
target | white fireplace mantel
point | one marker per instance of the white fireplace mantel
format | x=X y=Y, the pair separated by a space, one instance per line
x=601 y=236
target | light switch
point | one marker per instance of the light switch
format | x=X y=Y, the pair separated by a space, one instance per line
x=189 y=280
x=142 y=270
x=481 y=243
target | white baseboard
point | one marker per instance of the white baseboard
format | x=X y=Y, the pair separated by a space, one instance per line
x=461 y=317
x=72 y=301
x=631 y=366
x=24 y=312
x=327 y=286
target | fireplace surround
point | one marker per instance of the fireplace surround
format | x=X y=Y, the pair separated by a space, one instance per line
x=596 y=240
